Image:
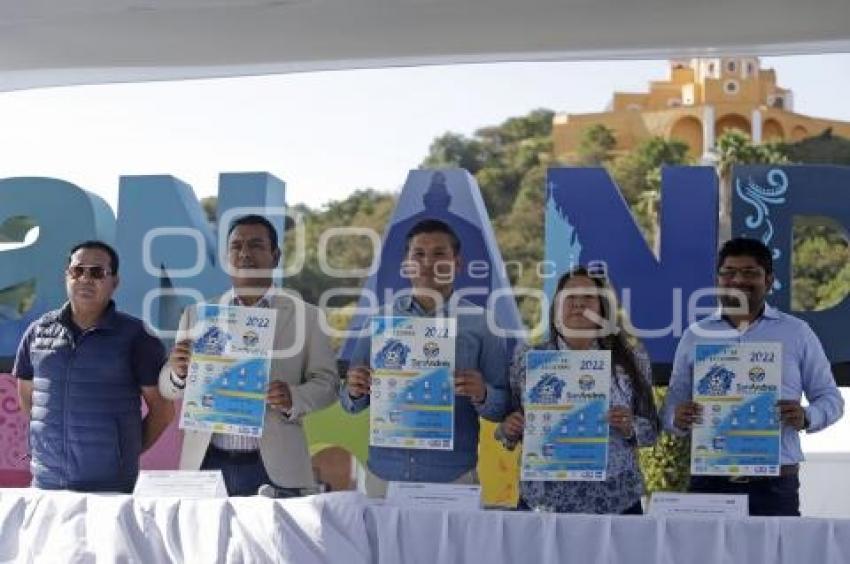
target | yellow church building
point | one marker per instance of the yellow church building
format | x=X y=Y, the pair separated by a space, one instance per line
x=702 y=99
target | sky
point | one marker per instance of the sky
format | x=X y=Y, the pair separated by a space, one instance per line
x=325 y=133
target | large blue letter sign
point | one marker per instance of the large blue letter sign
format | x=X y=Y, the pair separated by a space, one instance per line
x=765 y=201
x=163 y=238
x=65 y=215
x=166 y=243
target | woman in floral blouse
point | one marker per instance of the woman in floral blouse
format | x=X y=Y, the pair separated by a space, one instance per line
x=580 y=299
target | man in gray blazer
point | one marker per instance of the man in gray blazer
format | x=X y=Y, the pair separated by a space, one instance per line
x=303 y=375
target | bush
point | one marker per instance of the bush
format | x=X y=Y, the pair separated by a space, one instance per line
x=666 y=465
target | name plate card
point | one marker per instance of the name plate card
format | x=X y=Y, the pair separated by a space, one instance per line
x=442 y=496
x=667 y=504
x=188 y=484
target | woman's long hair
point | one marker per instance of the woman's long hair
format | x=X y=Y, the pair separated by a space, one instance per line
x=643 y=402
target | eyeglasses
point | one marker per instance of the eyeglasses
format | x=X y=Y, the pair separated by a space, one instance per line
x=745 y=273
x=252 y=246
x=94 y=272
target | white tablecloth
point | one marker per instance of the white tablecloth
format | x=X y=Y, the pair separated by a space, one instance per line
x=61 y=527
x=428 y=536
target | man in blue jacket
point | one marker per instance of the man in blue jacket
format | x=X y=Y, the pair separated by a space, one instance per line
x=433 y=256
x=81 y=371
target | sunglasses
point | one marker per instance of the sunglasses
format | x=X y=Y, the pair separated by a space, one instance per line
x=94 y=272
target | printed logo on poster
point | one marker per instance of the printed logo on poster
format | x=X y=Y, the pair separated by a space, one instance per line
x=547 y=390
x=717 y=382
x=757 y=374
x=212 y=342
x=250 y=339
x=393 y=355
x=431 y=349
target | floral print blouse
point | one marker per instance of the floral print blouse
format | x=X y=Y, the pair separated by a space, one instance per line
x=624 y=486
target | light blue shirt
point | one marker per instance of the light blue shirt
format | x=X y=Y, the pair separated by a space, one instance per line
x=475 y=347
x=805 y=370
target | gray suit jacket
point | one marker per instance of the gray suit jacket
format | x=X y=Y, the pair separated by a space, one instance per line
x=304 y=359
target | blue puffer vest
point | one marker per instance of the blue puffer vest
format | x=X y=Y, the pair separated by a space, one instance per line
x=86 y=425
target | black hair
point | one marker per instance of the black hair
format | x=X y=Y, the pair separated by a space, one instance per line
x=622 y=354
x=100 y=246
x=254 y=219
x=433 y=226
x=745 y=247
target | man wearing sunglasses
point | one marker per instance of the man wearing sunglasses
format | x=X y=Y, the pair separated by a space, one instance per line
x=81 y=370
x=745 y=276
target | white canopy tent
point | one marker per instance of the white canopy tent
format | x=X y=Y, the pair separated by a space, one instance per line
x=63 y=42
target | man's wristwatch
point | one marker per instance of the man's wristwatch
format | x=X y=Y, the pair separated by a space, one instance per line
x=177 y=382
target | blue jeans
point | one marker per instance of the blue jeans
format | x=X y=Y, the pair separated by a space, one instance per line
x=776 y=495
x=243 y=472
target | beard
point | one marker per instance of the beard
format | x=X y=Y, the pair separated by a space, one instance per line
x=745 y=299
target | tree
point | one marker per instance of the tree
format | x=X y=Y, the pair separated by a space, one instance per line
x=453 y=150
x=537 y=123
x=595 y=146
x=640 y=170
x=499 y=185
x=665 y=465
x=18 y=299
x=825 y=148
x=520 y=235
x=509 y=162
x=734 y=148
x=210 y=207
x=820 y=277
x=363 y=208
x=638 y=174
